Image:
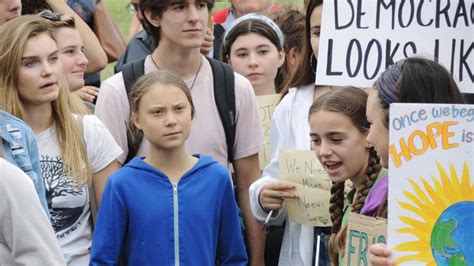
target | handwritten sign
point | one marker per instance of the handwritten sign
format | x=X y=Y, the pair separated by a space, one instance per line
x=431 y=188
x=362 y=232
x=266 y=106
x=360 y=39
x=312 y=187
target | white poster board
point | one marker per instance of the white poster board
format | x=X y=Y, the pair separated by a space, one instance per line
x=431 y=184
x=360 y=39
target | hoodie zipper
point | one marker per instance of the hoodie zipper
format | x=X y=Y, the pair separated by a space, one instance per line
x=176 y=223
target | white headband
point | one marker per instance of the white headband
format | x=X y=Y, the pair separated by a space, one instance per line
x=261 y=18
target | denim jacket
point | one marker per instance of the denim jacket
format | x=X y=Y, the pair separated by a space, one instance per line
x=20 y=149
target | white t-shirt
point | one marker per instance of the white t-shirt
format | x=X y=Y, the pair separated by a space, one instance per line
x=68 y=204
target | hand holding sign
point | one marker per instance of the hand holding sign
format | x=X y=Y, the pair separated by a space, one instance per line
x=379 y=255
x=362 y=232
x=272 y=194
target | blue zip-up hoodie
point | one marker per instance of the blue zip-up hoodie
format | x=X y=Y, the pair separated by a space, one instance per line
x=151 y=221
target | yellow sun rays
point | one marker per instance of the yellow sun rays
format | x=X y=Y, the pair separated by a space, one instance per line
x=428 y=202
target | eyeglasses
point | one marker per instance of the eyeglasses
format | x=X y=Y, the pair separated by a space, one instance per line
x=132 y=7
x=50 y=16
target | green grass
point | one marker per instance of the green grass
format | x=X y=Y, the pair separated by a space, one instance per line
x=123 y=19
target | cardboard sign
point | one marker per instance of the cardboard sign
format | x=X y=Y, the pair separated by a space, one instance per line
x=362 y=232
x=312 y=187
x=266 y=106
x=431 y=184
x=360 y=39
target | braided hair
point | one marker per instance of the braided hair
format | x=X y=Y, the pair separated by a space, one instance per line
x=373 y=170
x=350 y=102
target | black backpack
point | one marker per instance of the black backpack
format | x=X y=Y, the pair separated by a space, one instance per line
x=224 y=95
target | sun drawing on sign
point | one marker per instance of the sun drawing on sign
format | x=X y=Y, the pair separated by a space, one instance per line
x=443 y=229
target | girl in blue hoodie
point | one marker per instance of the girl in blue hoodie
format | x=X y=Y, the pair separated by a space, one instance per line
x=171 y=207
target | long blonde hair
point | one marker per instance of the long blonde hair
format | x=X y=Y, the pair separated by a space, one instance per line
x=15 y=35
x=76 y=104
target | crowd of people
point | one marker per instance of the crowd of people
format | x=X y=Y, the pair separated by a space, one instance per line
x=159 y=165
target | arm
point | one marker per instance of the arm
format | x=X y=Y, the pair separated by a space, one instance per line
x=110 y=228
x=102 y=153
x=100 y=178
x=231 y=248
x=271 y=171
x=92 y=48
x=246 y=172
x=24 y=227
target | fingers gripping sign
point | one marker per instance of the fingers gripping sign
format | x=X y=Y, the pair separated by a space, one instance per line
x=273 y=194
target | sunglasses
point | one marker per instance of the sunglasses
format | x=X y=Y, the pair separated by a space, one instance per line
x=132 y=8
x=50 y=16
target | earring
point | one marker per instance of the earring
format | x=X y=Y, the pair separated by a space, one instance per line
x=313 y=68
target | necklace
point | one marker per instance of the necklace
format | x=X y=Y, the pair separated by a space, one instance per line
x=195 y=76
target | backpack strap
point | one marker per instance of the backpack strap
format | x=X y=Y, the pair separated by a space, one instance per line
x=224 y=94
x=131 y=72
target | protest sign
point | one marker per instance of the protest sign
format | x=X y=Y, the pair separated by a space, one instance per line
x=360 y=39
x=266 y=106
x=312 y=187
x=431 y=184
x=362 y=232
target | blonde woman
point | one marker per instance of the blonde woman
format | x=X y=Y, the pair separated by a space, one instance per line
x=73 y=59
x=75 y=150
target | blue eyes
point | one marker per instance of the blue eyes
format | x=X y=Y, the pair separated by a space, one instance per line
x=33 y=63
